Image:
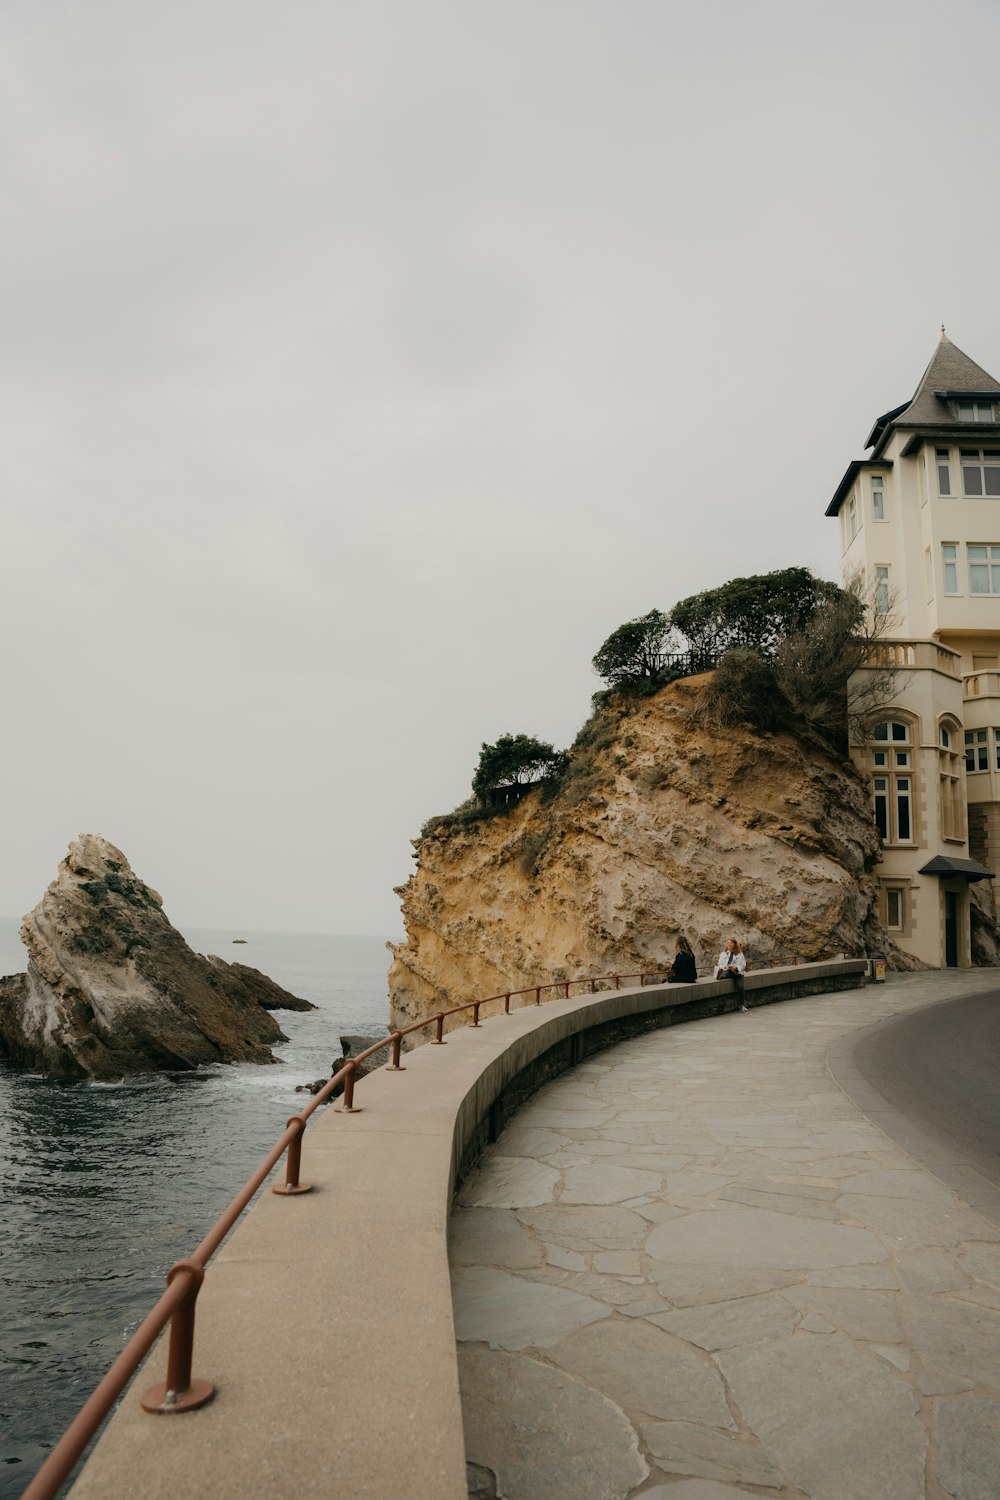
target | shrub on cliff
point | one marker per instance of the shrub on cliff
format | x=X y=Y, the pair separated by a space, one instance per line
x=630 y=657
x=516 y=760
x=812 y=679
x=758 y=612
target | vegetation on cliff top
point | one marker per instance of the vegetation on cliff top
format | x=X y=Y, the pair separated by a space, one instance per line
x=785 y=646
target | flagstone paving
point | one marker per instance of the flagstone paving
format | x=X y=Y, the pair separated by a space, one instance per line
x=691 y=1269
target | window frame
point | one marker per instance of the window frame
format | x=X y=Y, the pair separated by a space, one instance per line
x=975 y=410
x=893 y=779
x=951 y=808
x=982 y=462
x=952 y=563
x=899 y=893
x=877 y=486
x=882 y=574
x=990 y=562
x=977 y=747
x=942 y=458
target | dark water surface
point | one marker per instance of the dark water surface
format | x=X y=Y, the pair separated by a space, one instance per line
x=103 y=1187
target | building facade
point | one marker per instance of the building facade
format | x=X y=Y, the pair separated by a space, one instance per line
x=920 y=520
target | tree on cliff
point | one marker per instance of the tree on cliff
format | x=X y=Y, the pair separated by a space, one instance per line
x=631 y=654
x=758 y=612
x=815 y=675
x=515 y=760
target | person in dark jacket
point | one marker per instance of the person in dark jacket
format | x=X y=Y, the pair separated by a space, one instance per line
x=683 y=970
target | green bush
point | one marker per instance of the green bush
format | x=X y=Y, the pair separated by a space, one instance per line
x=631 y=656
x=514 y=760
x=756 y=612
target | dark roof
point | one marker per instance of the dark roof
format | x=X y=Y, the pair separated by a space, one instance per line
x=881 y=423
x=850 y=474
x=947 y=864
x=950 y=373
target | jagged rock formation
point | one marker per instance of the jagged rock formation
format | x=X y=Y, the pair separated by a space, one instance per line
x=112 y=988
x=658 y=827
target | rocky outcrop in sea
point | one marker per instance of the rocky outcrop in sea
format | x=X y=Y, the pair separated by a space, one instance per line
x=658 y=825
x=113 y=989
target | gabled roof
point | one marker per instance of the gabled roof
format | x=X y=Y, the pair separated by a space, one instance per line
x=950 y=373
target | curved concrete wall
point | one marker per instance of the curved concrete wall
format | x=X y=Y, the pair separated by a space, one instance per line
x=326 y=1319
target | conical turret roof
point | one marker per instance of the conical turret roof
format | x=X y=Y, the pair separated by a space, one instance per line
x=950 y=373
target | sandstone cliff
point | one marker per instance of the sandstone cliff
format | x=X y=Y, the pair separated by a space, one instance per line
x=658 y=827
x=112 y=988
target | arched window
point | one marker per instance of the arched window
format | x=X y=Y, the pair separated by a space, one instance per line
x=892 y=780
x=950 y=805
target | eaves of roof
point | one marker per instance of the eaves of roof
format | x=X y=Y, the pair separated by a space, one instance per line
x=850 y=474
x=948 y=864
x=882 y=423
x=980 y=435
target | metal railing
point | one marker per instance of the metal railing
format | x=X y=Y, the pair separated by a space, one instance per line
x=181 y=1391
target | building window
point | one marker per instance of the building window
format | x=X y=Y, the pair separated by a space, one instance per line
x=984 y=569
x=996 y=748
x=980 y=471
x=883 y=591
x=944 y=471
x=894 y=908
x=975 y=411
x=894 y=730
x=949 y=552
x=976 y=752
x=893 y=788
x=949 y=782
x=852 y=518
x=878 y=498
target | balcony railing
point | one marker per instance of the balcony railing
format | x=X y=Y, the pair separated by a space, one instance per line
x=916 y=655
x=981 y=684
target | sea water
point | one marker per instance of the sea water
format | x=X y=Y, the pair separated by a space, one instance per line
x=103 y=1187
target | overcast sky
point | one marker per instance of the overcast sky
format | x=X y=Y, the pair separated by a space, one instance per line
x=362 y=366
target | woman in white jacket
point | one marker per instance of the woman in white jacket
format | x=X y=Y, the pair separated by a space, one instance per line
x=733 y=965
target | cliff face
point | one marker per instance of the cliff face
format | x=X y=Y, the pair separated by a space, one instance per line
x=112 y=988
x=659 y=827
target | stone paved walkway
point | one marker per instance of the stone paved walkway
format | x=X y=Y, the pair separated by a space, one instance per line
x=691 y=1269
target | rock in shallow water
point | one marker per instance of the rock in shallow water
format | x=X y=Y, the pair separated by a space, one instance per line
x=113 y=989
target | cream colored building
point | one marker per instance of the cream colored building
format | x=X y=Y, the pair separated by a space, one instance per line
x=921 y=517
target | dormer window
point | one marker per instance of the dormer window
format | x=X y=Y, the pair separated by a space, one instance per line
x=976 y=411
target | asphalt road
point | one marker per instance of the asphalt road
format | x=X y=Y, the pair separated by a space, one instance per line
x=931 y=1080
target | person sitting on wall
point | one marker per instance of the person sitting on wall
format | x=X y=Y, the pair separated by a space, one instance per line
x=733 y=965
x=683 y=969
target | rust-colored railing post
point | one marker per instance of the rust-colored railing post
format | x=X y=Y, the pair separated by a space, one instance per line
x=179 y=1392
x=506 y=1005
x=396 y=1066
x=618 y=981
x=538 y=994
x=566 y=995
x=593 y=986
x=439 y=1040
x=293 y=1161
x=475 y=1014
x=347 y=1105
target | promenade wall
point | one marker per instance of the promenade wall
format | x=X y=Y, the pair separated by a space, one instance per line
x=326 y=1319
